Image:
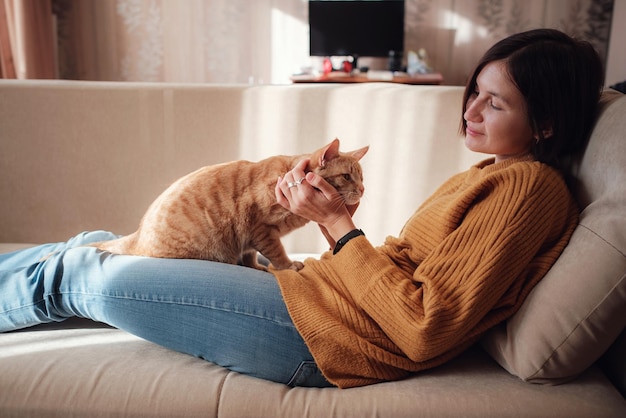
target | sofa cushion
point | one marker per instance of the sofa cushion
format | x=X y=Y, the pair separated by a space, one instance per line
x=576 y=312
x=79 y=368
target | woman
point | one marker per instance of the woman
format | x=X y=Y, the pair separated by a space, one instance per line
x=463 y=262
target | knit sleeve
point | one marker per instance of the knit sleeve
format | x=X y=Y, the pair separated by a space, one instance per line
x=507 y=236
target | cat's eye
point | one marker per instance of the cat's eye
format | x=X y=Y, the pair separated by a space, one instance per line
x=347 y=177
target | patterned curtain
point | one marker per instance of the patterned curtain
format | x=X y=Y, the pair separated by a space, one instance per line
x=220 y=41
x=456 y=33
x=265 y=41
x=27 y=39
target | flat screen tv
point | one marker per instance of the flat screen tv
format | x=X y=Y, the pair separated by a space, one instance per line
x=358 y=28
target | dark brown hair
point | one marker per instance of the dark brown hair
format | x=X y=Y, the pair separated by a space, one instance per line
x=560 y=78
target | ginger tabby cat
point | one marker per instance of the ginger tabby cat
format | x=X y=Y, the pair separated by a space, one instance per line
x=228 y=212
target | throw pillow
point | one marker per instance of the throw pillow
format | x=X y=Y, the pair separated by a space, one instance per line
x=579 y=308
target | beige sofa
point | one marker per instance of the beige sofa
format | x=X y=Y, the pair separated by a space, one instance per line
x=80 y=156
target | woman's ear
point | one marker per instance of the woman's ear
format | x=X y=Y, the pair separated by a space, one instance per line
x=546 y=132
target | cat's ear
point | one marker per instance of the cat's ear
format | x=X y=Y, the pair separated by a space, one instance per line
x=358 y=154
x=329 y=152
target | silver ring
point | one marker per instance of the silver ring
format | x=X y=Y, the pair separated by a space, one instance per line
x=295 y=183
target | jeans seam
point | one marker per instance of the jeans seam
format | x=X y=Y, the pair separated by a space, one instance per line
x=198 y=305
x=17 y=308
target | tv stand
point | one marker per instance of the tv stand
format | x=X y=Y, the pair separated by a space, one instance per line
x=370 y=77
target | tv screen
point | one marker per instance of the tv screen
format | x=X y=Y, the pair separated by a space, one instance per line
x=367 y=28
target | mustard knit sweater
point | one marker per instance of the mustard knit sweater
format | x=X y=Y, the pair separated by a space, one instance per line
x=463 y=262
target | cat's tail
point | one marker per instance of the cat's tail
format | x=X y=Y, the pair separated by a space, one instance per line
x=122 y=245
x=112 y=246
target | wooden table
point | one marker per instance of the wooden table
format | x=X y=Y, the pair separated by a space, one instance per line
x=374 y=77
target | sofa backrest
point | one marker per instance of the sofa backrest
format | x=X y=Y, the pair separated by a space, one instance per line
x=80 y=156
x=578 y=310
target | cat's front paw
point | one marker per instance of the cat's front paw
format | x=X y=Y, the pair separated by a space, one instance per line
x=260 y=267
x=296 y=265
x=293 y=265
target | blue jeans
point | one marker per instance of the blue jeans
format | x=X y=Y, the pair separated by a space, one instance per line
x=230 y=315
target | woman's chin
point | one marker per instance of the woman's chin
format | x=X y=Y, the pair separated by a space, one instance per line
x=472 y=144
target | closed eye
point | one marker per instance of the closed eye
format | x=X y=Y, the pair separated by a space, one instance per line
x=474 y=95
x=494 y=107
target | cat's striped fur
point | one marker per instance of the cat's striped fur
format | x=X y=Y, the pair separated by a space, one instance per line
x=228 y=212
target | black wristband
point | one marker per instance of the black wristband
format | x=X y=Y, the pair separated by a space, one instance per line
x=344 y=240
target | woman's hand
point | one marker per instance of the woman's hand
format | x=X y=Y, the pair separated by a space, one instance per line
x=308 y=195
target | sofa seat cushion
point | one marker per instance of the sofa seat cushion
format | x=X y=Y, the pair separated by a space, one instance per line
x=81 y=368
x=576 y=312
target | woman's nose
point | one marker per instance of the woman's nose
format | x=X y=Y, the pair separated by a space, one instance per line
x=471 y=112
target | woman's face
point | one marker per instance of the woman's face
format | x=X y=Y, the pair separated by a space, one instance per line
x=496 y=116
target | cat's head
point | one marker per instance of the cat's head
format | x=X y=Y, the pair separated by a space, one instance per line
x=341 y=169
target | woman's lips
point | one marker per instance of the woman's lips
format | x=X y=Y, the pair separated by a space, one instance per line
x=472 y=132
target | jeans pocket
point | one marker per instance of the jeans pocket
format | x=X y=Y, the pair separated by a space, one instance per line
x=307 y=374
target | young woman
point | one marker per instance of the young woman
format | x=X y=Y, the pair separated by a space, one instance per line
x=464 y=261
